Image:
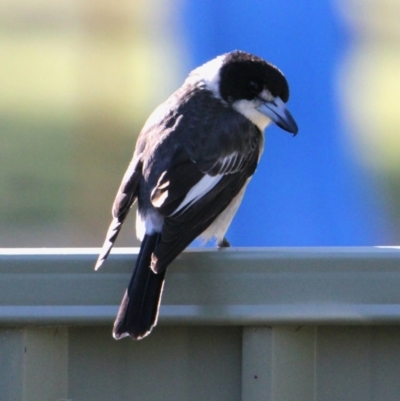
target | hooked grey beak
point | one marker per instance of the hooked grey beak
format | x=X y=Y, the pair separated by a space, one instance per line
x=276 y=110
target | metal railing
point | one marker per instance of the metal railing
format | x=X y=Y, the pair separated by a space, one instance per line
x=237 y=324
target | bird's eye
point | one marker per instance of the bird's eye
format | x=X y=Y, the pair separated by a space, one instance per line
x=254 y=87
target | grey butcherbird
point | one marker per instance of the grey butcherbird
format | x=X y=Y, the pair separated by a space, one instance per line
x=193 y=160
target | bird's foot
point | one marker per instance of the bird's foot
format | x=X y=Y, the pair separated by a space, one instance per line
x=224 y=243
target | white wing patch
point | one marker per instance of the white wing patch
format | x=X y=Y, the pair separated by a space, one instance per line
x=206 y=184
x=228 y=163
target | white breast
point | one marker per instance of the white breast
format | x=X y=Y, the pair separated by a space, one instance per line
x=220 y=225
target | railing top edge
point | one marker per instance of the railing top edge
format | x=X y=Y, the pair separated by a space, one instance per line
x=132 y=250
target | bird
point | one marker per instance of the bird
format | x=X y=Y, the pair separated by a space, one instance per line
x=192 y=162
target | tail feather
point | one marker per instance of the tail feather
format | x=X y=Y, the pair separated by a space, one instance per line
x=138 y=312
x=111 y=236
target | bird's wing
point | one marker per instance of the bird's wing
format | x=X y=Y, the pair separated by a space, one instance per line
x=126 y=197
x=180 y=230
x=209 y=168
x=198 y=144
x=128 y=191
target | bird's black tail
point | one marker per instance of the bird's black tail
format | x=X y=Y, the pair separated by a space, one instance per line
x=138 y=312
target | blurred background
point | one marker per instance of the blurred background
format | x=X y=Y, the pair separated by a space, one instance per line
x=79 y=78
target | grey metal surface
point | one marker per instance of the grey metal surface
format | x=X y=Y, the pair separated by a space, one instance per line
x=173 y=363
x=229 y=287
x=300 y=324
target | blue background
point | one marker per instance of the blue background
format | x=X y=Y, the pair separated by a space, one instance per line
x=307 y=190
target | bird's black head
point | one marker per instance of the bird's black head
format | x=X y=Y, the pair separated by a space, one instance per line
x=250 y=86
x=256 y=89
x=245 y=76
